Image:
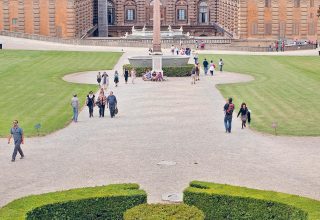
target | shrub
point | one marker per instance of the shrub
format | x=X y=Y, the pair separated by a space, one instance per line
x=182 y=71
x=219 y=201
x=163 y=212
x=103 y=202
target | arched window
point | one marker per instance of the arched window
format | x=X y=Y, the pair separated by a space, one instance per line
x=111 y=13
x=203 y=12
x=130 y=9
x=181 y=11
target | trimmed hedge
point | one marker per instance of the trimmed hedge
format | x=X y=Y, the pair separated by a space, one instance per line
x=219 y=201
x=164 y=212
x=103 y=202
x=182 y=71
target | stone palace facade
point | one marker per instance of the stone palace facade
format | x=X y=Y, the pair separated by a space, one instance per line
x=241 y=19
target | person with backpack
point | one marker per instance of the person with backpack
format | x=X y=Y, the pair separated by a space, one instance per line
x=244 y=114
x=228 y=110
x=205 y=66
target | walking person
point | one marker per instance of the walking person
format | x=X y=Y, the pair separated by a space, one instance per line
x=75 y=107
x=17 y=133
x=228 y=110
x=244 y=114
x=101 y=103
x=99 y=79
x=211 y=68
x=172 y=50
x=196 y=57
x=205 y=66
x=197 y=72
x=90 y=103
x=221 y=64
x=116 y=78
x=133 y=75
x=193 y=75
x=112 y=104
x=105 y=81
x=126 y=75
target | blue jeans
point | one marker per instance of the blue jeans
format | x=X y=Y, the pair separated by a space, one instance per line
x=75 y=114
x=228 y=122
x=17 y=149
x=205 y=70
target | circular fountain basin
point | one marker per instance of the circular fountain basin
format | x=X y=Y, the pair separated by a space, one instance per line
x=167 y=61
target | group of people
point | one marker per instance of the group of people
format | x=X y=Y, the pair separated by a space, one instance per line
x=211 y=66
x=153 y=76
x=180 y=51
x=244 y=112
x=104 y=78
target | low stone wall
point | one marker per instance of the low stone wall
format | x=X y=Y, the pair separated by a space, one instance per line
x=211 y=43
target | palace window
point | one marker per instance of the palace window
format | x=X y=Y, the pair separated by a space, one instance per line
x=296 y=3
x=311 y=29
x=268 y=29
x=203 y=12
x=267 y=3
x=254 y=30
x=111 y=13
x=295 y=28
x=182 y=14
x=130 y=15
x=14 y=21
x=282 y=29
x=311 y=3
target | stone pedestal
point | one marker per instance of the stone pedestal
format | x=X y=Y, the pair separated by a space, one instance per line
x=157 y=63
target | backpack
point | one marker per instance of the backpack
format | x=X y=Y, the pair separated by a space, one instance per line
x=230 y=109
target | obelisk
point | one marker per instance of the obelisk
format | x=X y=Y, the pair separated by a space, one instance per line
x=156 y=27
x=157 y=54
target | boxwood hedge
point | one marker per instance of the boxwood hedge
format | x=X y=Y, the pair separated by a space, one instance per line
x=219 y=201
x=164 y=212
x=103 y=202
x=182 y=71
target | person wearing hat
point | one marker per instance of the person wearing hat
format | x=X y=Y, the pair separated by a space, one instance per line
x=75 y=107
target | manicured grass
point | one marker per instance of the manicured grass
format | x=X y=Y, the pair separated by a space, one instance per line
x=286 y=90
x=124 y=195
x=32 y=89
x=205 y=195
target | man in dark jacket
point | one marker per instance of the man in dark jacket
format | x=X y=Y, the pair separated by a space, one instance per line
x=112 y=104
x=228 y=110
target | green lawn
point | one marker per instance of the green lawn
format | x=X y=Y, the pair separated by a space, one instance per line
x=32 y=89
x=286 y=90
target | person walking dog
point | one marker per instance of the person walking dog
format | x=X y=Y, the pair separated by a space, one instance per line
x=17 y=133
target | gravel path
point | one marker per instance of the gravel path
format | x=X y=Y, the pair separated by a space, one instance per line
x=172 y=121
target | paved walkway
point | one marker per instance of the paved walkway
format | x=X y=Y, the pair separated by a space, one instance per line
x=173 y=121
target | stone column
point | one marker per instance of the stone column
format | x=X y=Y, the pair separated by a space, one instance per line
x=103 y=18
x=156 y=27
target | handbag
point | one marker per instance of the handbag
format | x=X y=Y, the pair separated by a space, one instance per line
x=116 y=110
x=98 y=104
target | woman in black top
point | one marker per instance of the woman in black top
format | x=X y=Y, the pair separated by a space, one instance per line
x=126 y=75
x=244 y=114
x=90 y=103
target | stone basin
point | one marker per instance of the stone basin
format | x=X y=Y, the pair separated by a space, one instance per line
x=167 y=61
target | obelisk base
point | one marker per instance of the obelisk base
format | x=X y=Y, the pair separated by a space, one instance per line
x=157 y=63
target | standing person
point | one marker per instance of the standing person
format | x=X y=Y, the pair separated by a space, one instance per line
x=116 y=78
x=205 y=66
x=112 y=104
x=193 y=75
x=244 y=114
x=195 y=58
x=126 y=75
x=177 y=50
x=228 y=110
x=75 y=107
x=101 y=103
x=90 y=103
x=99 y=79
x=211 y=68
x=172 y=50
x=17 y=133
x=133 y=75
x=197 y=72
x=221 y=64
